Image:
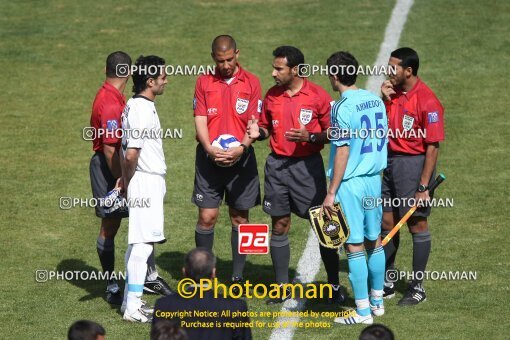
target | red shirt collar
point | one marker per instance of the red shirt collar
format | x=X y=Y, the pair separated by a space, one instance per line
x=305 y=89
x=415 y=88
x=240 y=75
x=109 y=87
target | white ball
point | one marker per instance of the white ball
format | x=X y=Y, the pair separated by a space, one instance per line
x=225 y=142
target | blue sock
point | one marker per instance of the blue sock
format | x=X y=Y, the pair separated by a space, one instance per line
x=376 y=265
x=358 y=275
x=376 y=270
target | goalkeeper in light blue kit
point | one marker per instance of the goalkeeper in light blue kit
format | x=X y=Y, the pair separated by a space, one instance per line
x=358 y=155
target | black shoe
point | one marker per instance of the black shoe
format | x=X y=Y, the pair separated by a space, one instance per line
x=284 y=296
x=158 y=286
x=236 y=290
x=113 y=294
x=414 y=296
x=338 y=297
x=388 y=291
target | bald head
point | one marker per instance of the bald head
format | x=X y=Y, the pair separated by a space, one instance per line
x=199 y=264
x=223 y=43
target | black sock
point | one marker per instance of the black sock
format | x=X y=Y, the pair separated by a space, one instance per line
x=390 y=249
x=331 y=263
x=421 y=250
x=280 y=255
x=238 y=260
x=204 y=238
x=106 y=252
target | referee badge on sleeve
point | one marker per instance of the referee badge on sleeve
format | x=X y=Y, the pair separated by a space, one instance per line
x=331 y=233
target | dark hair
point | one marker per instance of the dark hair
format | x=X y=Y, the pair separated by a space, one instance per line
x=376 y=332
x=147 y=67
x=165 y=329
x=114 y=60
x=339 y=66
x=294 y=55
x=223 y=41
x=409 y=58
x=199 y=264
x=85 y=330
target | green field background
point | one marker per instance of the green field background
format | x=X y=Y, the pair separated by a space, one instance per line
x=52 y=57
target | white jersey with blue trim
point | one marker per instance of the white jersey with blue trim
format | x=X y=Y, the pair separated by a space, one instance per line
x=142 y=130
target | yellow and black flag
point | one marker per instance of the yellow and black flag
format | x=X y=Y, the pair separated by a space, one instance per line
x=332 y=233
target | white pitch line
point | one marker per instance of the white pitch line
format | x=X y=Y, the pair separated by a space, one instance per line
x=308 y=266
x=310 y=261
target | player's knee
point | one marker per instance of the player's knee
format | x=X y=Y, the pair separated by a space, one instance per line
x=281 y=225
x=371 y=244
x=418 y=225
x=387 y=221
x=238 y=216
x=354 y=247
x=207 y=219
x=141 y=252
x=109 y=227
x=237 y=220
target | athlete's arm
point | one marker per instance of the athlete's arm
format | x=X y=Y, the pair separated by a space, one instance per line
x=130 y=161
x=203 y=137
x=340 y=163
x=112 y=159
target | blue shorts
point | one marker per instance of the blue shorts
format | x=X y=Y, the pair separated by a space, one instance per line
x=356 y=196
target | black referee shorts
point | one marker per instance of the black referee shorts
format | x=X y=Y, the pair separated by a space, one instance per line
x=102 y=181
x=293 y=184
x=239 y=184
x=400 y=182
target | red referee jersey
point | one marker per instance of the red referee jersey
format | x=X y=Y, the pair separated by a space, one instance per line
x=228 y=107
x=415 y=118
x=311 y=106
x=106 y=112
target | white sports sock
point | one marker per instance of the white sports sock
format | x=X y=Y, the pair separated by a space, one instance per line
x=136 y=271
x=376 y=294
x=126 y=260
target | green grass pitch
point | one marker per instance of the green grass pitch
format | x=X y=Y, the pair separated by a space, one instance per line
x=52 y=56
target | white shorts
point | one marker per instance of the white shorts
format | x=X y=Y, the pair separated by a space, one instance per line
x=146 y=218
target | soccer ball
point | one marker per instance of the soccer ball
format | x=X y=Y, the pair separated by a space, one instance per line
x=225 y=142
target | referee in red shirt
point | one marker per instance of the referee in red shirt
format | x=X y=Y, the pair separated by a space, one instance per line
x=415 y=121
x=224 y=102
x=296 y=116
x=105 y=163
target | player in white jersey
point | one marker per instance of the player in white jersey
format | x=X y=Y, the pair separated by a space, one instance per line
x=143 y=176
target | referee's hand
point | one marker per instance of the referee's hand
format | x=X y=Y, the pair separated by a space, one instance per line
x=298 y=135
x=387 y=90
x=253 y=128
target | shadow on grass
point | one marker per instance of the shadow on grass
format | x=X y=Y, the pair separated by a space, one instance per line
x=94 y=288
x=255 y=273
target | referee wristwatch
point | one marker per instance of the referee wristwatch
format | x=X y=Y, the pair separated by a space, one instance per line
x=312 y=138
x=245 y=148
x=423 y=188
